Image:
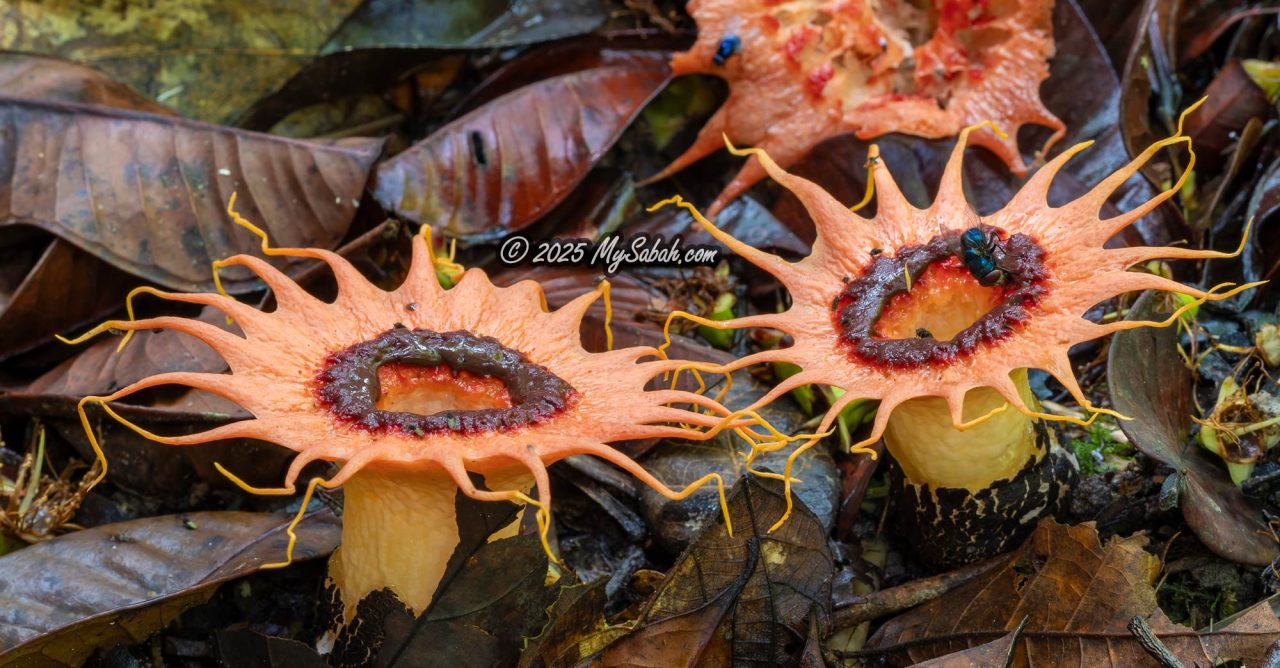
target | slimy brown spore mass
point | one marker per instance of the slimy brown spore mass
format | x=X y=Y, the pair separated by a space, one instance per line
x=348 y=384
x=865 y=298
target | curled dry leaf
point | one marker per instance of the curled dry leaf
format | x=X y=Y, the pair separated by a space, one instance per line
x=1077 y=597
x=1233 y=100
x=740 y=599
x=209 y=60
x=65 y=598
x=998 y=653
x=1148 y=69
x=500 y=167
x=42 y=270
x=57 y=80
x=576 y=631
x=1150 y=384
x=148 y=193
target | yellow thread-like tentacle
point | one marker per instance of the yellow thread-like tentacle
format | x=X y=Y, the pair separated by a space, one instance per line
x=786 y=485
x=873 y=158
x=608 y=314
x=93 y=438
x=291 y=529
x=257 y=491
x=964 y=134
x=279 y=491
x=961 y=426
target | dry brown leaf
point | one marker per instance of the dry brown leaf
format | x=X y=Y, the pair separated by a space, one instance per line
x=1077 y=597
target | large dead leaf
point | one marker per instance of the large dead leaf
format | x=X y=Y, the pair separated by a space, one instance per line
x=576 y=631
x=63 y=599
x=209 y=60
x=1150 y=384
x=147 y=193
x=997 y=653
x=492 y=594
x=40 y=269
x=553 y=59
x=502 y=166
x=744 y=599
x=55 y=79
x=1077 y=598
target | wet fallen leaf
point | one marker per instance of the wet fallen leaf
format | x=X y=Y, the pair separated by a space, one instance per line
x=1077 y=597
x=341 y=76
x=65 y=598
x=1148 y=83
x=553 y=59
x=998 y=653
x=1202 y=24
x=207 y=60
x=745 y=598
x=744 y=218
x=576 y=631
x=41 y=269
x=1150 y=384
x=138 y=464
x=54 y=79
x=491 y=595
x=1114 y=23
x=500 y=167
x=1264 y=204
x=247 y=647
x=147 y=193
x=1232 y=100
x=499 y=594
x=450 y=24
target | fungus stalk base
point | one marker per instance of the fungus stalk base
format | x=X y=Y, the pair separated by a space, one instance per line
x=932 y=452
x=398 y=531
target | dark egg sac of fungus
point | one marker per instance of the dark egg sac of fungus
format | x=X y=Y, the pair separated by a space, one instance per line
x=938 y=314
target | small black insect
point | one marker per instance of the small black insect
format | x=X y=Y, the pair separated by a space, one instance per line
x=728 y=46
x=923 y=333
x=981 y=252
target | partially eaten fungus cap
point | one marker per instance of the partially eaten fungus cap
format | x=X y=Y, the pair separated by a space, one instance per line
x=805 y=70
x=412 y=390
x=887 y=308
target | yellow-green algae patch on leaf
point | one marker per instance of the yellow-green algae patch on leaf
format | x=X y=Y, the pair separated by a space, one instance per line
x=209 y=60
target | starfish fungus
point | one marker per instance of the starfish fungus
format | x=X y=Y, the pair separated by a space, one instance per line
x=937 y=313
x=413 y=390
x=800 y=71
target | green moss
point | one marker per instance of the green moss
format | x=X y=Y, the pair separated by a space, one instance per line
x=1098 y=452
